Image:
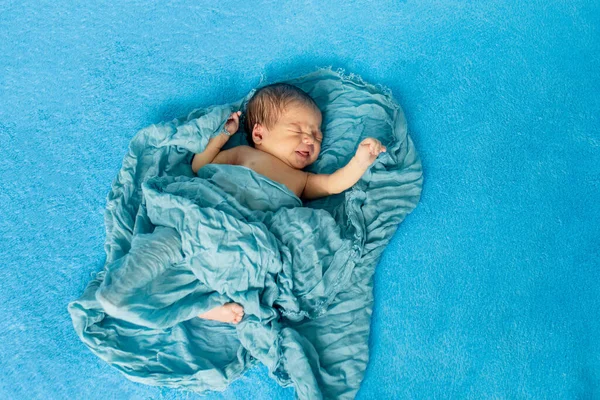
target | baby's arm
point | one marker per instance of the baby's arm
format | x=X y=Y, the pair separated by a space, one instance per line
x=210 y=152
x=320 y=185
x=216 y=143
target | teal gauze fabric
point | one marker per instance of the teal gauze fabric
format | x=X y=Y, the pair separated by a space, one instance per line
x=179 y=244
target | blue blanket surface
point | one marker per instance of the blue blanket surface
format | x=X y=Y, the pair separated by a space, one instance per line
x=179 y=244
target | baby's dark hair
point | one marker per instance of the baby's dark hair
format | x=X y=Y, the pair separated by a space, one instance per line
x=268 y=104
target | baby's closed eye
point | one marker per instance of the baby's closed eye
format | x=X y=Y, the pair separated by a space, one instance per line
x=318 y=136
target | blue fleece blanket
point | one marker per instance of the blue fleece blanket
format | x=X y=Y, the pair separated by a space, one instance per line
x=178 y=245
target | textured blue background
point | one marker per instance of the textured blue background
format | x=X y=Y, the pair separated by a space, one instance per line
x=489 y=289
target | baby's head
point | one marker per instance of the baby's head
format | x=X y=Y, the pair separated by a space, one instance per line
x=283 y=120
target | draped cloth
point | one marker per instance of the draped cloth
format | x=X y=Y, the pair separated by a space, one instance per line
x=179 y=244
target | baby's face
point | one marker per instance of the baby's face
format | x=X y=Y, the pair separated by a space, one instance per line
x=295 y=139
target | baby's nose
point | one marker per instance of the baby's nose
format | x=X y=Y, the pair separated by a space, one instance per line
x=308 y=139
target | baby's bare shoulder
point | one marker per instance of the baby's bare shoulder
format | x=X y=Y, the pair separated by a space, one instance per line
x=245 y=153
x=244 y=149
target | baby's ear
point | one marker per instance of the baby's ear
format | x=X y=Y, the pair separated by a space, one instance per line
x=257 y=133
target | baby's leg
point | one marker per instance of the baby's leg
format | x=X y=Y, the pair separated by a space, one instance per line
x=228 y=312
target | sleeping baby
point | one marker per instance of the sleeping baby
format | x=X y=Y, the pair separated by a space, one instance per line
x=283 y=124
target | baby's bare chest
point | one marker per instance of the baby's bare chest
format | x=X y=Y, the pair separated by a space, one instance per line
x=273 y=168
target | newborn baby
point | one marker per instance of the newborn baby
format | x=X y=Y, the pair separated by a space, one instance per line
x=283 y=124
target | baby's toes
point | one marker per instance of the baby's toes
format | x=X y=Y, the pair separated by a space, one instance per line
x=237 y=309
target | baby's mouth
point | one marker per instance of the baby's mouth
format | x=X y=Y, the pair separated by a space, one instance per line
x=303 y=154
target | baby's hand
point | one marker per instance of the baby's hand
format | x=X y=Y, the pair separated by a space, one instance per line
x=368 y=150
x=233 y=122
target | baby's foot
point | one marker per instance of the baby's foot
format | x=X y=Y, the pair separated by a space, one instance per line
x=228 y=312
